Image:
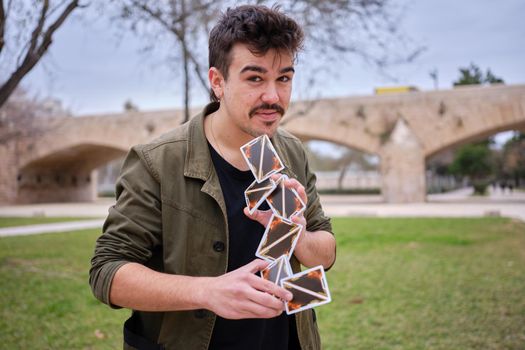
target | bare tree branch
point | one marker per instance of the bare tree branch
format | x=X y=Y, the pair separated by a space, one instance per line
x=183 y=41
x=178 y=26
x=336 y=29
x=20 y=116
x=2 y=25
x=198 y=71
x=39 y=43
x=38 y=29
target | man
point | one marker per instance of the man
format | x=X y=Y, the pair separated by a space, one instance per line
x=178 y=247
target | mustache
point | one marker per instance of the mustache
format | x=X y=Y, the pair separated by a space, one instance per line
x=267 y=106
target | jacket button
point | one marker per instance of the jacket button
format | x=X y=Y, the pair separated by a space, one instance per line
x=200 y=313
x=218 y=246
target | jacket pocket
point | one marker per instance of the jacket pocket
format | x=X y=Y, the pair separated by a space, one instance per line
x=194 y=241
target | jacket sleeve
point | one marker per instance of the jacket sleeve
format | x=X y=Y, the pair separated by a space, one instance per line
x=315 y=218
x=133 y=227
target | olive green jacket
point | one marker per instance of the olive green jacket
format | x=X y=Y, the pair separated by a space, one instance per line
x=170 y=215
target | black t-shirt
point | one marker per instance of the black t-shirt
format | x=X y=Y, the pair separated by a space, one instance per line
x=278 y=333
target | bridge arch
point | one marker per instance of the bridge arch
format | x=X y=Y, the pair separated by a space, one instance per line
x=64 y=175
x=476 y=136
x=352 y=139
x=438 y=162
x=58 y=165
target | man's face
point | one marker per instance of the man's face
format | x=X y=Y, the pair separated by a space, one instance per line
x=257 y=92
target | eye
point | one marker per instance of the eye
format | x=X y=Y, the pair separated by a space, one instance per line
x=284 y=79
x=255 y=78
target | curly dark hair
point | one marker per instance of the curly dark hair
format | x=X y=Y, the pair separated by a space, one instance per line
x=259 y=27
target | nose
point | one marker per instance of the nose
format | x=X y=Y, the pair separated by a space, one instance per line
x=270 y=94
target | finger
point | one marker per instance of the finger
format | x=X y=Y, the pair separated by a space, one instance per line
x=254 y=266
x=299 y=219
x=246 y=308
x=266 y=300
x=302 y=194
x=275 y=177
x=252 y=309
x=258 y=293
x=299 y=188
x=248 y=214
x=254 y=216
x=271 y=288
x=261 y=216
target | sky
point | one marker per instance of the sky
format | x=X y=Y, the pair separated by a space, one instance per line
x=92 y=71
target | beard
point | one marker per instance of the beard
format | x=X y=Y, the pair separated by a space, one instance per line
x=271 y=128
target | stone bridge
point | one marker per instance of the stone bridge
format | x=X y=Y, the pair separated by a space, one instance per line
x=59 y=162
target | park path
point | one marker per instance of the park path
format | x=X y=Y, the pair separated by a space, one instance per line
x=458 y=203
x=51 y=227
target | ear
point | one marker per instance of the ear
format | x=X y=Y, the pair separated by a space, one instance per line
x=216 y=81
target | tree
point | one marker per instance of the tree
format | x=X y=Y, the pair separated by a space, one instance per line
x=492 y=79
x=474 y=161
x=129 y=106
x=26 y=33
x=434 y=75
x=341 y=160
x=472 y=75
x=352 y=157
x=334 y=29
x=513 y=167
x=19 y=115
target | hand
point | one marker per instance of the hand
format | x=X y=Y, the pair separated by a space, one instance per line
x=242 y=294
x=263 y=216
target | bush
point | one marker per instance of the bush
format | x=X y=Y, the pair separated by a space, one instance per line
x=480 y=187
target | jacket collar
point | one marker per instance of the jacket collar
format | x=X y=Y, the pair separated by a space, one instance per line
x=198 y=160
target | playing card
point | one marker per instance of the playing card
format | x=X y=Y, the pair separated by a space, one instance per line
x=309 y=289
x=257 y=192
x=285 y=201
x=262 y=158
x=277 y=270
x=279 y=238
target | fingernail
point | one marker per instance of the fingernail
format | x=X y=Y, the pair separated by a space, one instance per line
x=289 y=296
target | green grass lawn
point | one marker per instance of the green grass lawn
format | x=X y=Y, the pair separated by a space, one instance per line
x=397 y=284
x=427 y=284
x=24 y=221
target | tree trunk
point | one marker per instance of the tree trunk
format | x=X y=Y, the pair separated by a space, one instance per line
x=186 y=84
x=341 y=177
x=185 y=56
